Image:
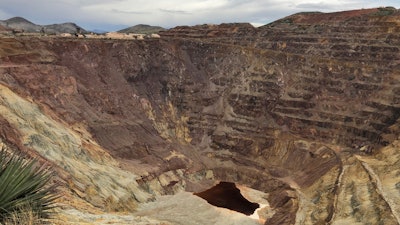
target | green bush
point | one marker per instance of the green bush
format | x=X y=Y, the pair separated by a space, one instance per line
x=385 y=11
x=23 y=185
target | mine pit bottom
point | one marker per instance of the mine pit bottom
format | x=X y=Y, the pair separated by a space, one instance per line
x=227 y=195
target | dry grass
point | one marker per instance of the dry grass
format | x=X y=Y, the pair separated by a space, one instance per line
x=24 y=216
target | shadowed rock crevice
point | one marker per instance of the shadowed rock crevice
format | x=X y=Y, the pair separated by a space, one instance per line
x=227 y=195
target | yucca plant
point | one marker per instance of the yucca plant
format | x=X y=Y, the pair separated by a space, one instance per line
x=22 y=185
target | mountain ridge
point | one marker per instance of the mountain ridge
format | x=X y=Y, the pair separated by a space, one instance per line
x=142 y=29
x=22 y=24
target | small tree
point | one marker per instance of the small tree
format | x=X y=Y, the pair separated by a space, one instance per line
x=23 y=186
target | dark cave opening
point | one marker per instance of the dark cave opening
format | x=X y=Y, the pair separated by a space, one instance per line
x=227 y=195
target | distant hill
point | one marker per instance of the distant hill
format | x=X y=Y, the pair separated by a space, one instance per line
x=142 y=29
x=63 y=28
x=19 y=23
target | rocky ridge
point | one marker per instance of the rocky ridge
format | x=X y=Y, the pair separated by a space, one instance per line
x=305 y=110
x=142 y=29
x=19 y=24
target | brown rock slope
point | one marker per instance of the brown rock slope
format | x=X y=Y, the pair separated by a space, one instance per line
x=304 y=110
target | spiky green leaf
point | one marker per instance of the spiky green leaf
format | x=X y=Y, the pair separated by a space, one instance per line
x=23 y=184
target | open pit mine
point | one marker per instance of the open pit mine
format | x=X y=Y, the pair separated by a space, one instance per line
x=294 y=122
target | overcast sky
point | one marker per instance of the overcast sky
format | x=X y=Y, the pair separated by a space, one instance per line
x=111 y=15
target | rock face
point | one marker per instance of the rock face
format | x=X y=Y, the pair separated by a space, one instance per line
x=304 y=109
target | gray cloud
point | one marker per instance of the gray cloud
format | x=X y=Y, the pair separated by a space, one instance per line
x=130 y=12
x=315 y=6
x=174 y=11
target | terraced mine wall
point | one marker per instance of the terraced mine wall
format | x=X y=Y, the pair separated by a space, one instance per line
x=304 y=109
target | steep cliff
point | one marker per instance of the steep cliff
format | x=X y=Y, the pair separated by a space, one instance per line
x=304 y=110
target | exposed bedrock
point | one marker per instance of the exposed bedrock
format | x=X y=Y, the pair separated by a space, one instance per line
x=304 y=110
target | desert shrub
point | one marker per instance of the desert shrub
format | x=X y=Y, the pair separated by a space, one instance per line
x=23 y=216
x=24 y=189
x=385 y=11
